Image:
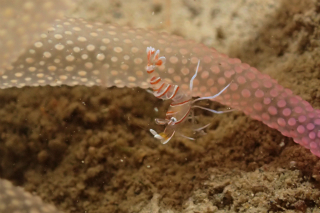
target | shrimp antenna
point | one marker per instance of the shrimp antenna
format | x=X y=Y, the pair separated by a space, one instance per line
x=194 y=76
x=212 y=97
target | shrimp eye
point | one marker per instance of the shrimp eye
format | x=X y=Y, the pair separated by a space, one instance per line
x=173 y=121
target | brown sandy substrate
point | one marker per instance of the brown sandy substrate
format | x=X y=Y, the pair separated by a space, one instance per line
x=89 y=149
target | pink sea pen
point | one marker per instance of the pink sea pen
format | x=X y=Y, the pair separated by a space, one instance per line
x=75 y=52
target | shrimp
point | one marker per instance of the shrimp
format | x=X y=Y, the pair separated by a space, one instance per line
x=182 y=106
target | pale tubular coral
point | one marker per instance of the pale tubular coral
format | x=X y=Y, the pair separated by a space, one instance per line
x=16 y=200
x=23 y=21
x=74 y=52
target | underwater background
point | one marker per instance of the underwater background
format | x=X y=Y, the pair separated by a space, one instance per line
x=89 y=149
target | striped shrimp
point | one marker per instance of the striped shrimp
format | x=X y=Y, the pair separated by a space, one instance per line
x=182 y=104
